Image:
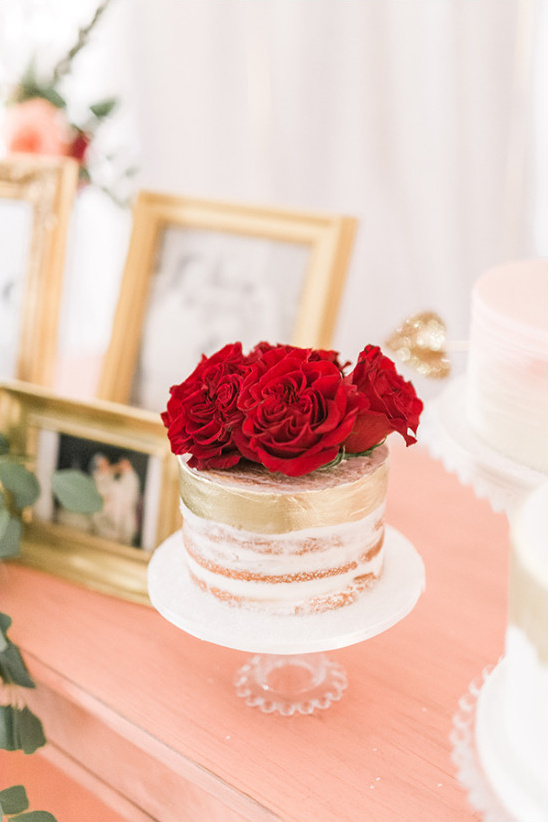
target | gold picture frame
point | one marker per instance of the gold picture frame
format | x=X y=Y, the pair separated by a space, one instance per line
x=96 y=551
x=47 y=186
x=312 y=252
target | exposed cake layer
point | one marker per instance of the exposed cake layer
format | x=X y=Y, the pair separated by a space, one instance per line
x=326 y=563
x=507 y=382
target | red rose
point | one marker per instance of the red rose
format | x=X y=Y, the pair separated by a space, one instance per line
x=297 y=411
x=261 y=348
x=202 y=413
x=315 y=353
x=330 y=356
x=388 y=402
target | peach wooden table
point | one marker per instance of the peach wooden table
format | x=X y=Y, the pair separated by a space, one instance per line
x=147 y=718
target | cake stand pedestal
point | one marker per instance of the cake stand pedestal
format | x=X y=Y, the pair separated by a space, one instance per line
x=448 y=436
x=289 y=672
x=289 y=683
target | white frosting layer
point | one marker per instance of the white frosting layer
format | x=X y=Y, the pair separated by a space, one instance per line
x=284 y=592
x=507 y=385
x=527 y=635
x=522 y=794
x=283 y=571
x=530 y=535
x=526 y=704
x=512 y=728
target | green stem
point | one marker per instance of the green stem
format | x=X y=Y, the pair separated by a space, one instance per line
x=63 y=66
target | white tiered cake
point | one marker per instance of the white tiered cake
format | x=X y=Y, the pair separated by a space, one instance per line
x=507 y=375
x=512 y=717
x=490 y=424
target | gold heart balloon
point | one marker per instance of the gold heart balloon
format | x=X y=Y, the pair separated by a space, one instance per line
x=420 y=342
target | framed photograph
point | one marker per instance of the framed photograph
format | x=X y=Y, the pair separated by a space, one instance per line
x=201 y=274
x=125 y=451
x=36 y=198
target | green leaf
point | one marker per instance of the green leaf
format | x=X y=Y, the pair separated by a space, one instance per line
x=12 y=666
x=52 y=96
x=21 y=483
x=34 y=816
x=104 y=107
x=4 y=444
x=366 y=453
x=339 y=458
x=13 y=800
x=76 y=491
x=10 y=544
x=31 y=90
x=28 y=730
x=5 y=623
x=7 y=740
x=5 y=517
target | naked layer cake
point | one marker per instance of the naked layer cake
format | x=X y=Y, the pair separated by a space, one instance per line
x=286 y=544
x=283 y=473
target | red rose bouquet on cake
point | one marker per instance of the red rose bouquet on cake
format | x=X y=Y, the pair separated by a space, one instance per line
x=290 y=409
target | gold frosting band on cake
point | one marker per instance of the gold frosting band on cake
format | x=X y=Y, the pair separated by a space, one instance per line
x=528 y=605
x=271 y=513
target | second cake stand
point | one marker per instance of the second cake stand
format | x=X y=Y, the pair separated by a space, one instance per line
x=289 y=672
x=449 y=437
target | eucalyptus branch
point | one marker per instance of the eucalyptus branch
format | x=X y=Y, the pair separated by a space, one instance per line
x=63 y=66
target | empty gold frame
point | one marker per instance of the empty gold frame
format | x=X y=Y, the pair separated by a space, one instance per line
x=43 y=189
x=107 y=551
x=200 y=274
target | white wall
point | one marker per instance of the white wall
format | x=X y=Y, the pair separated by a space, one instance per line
x=413 y=116
x=419 y=117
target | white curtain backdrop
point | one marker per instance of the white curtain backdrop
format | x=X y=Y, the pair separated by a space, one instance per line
x=425 y=119
x=416 y=116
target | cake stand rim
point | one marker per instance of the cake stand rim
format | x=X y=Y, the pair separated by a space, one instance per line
x=510 y=764
x=309 y=634
x=491 y=474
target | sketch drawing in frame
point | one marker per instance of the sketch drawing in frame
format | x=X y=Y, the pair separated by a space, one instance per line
x=36 y=199
x=200 y=274
x=126 y=452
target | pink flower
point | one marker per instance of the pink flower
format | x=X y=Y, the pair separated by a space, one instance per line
x=37 y=127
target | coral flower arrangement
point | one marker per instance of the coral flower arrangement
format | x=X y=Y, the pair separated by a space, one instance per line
x=293 y=410
x=37 y=121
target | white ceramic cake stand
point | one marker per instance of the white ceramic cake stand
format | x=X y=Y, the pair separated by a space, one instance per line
x=498 y=784
x=465 y=755
x=289 y=672
x=448 y=436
